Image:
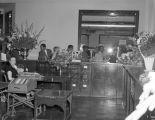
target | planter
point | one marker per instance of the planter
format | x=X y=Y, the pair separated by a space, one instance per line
x=149 y=61
x=24 y=53
x=144 y=78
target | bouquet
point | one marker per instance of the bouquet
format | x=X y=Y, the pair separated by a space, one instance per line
x=25 y=37
x=146 y=46
x=146 y=43
x=61 y=59
x=131 y=58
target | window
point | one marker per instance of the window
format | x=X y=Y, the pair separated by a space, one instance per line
x=109 y=24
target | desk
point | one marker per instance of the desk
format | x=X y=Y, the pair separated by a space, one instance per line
x=64 y=80
x=54 y=97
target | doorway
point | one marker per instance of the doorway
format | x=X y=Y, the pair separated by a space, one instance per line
x=7 y=17
x=106 y=27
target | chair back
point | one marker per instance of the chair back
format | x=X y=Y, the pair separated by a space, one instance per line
x=4 y=76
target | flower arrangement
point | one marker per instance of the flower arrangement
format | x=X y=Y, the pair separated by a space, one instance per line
x=131 y=58
x=25 y=37
x=146 y=43
x=61 y=59
x=146 y=46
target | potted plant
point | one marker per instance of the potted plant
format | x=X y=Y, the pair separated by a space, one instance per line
x=25 y=39
x=146 y=46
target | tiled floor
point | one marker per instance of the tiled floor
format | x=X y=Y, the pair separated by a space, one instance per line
x=97 y=109
x=83 y=108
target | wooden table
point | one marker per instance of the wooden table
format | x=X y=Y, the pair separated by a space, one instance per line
x=54 y=97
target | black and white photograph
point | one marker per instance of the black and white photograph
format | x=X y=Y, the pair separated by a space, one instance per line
x=77 y=59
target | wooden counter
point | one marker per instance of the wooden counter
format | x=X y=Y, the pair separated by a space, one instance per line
x=107 y=80
x=133 y=89
x=97 y=79
x=94 y=79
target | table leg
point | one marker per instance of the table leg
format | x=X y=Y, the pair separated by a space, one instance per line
x=63 y=85
x=5 y=116
x=35 y=112
x=13 y=107
x=0 y=110
x=8 y=102
x=64 y=108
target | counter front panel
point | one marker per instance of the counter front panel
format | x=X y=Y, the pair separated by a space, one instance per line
x=94 y=79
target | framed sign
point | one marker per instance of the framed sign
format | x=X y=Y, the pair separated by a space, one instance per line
x=122 y=42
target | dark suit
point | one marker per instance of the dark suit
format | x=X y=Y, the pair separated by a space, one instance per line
x=45 y=56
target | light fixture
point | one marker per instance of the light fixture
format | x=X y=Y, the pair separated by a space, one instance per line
x=103 y=25
x=10 y=15
x=84 y=85
x=112 y=14
x=74 y=85
x=109 y=50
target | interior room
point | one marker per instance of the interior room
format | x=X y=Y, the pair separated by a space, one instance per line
x=77 y=60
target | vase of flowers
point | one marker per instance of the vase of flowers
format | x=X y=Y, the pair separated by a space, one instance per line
x=149 y=61
x=146 y=46
x=132 y=57
x=25 y=39
x=24 y=53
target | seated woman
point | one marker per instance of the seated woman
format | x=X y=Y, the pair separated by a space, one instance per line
x=44 y=53
x=113 y=56
x=12 y=70
x=85 y=56
x=56 y=51
x=100 y=55
x=69 y=51
x=70 y=48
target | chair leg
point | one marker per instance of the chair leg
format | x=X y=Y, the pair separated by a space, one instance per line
x=44 y=108
x=64 y=112
x=35 y=113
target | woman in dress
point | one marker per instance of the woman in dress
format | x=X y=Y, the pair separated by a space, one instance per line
x=12 y=70
x=100 y=55
x=56 y=51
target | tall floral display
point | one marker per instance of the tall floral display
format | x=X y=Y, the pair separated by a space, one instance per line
x=25 y=38
x=146 y=46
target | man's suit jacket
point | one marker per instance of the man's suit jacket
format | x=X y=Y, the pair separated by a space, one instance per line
x=45 y=56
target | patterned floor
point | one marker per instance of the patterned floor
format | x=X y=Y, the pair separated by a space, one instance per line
x=83 y=108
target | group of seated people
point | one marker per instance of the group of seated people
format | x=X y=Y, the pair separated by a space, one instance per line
x=45 y=54
x=97 y=55
x=101 y=55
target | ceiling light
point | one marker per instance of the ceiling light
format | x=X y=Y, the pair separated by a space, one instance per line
x=109 y=50
x=101 y=25
x=112 y=14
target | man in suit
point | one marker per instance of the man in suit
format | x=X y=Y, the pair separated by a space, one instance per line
x=44 y=54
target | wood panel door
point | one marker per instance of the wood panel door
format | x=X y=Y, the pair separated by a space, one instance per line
x=107 y=80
